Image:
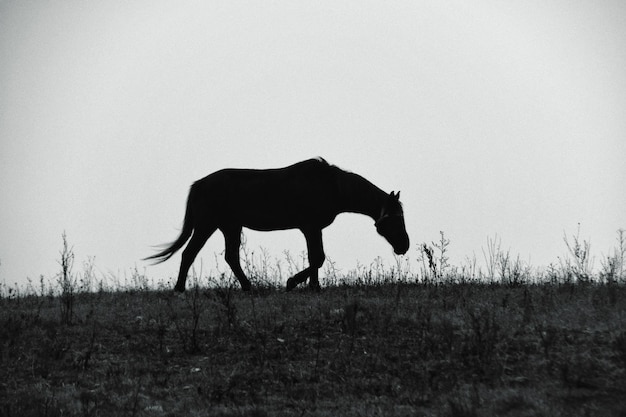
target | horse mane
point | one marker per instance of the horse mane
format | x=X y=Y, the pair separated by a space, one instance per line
x=322 y=160
x=333 y=166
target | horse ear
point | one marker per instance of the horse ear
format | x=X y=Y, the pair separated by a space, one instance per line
x=392 y=194
x=398 y=195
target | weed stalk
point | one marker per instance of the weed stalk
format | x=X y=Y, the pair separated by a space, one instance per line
x=67 y=281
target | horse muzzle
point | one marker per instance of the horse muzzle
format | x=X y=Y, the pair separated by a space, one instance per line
x=401 y=250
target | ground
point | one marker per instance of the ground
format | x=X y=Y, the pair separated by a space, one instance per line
x=399 y=349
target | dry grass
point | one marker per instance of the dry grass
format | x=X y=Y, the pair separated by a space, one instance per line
x=376 y=342
x=395 y=349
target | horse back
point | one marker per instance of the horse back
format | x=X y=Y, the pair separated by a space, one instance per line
x=298 y=196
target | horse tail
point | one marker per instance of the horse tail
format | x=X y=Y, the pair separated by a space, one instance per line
x=170 y=250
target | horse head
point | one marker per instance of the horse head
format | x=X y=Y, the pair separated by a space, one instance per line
x=390 y=224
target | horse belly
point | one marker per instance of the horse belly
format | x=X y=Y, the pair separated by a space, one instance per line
x=275 y=201
x=267 y=217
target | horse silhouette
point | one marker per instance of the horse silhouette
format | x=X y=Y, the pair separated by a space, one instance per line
x=306 y=196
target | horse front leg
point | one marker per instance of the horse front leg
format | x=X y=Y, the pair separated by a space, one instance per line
x=299 y=278
x=316 y=256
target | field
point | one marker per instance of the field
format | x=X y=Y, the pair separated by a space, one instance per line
x=379 y=341
x=386 y=349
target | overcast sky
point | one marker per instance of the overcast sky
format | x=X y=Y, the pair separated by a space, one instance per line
x=490 y=117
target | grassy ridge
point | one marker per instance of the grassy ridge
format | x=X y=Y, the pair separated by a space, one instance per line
x=463 y=349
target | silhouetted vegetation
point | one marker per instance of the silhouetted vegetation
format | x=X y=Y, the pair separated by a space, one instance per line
x=382 y=340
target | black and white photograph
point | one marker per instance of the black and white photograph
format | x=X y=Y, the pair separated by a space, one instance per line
x=312 y=208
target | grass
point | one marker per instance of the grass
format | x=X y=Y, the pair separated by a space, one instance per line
x=395 y=349
x=379 y=344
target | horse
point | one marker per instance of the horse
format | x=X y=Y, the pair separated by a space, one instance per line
x=307 y=196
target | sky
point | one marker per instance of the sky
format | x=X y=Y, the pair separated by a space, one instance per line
x=492 y=118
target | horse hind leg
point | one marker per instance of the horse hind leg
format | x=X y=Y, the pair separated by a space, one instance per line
x=197 y=241
x=232 y=240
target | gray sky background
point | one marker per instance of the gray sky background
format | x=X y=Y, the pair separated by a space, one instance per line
x=491 y=117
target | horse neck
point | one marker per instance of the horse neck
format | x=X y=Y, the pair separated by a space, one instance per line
x=358 y=195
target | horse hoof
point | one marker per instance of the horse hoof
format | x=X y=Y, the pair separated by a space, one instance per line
x=246 y=287
x=291 y=284
x=180 y=288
